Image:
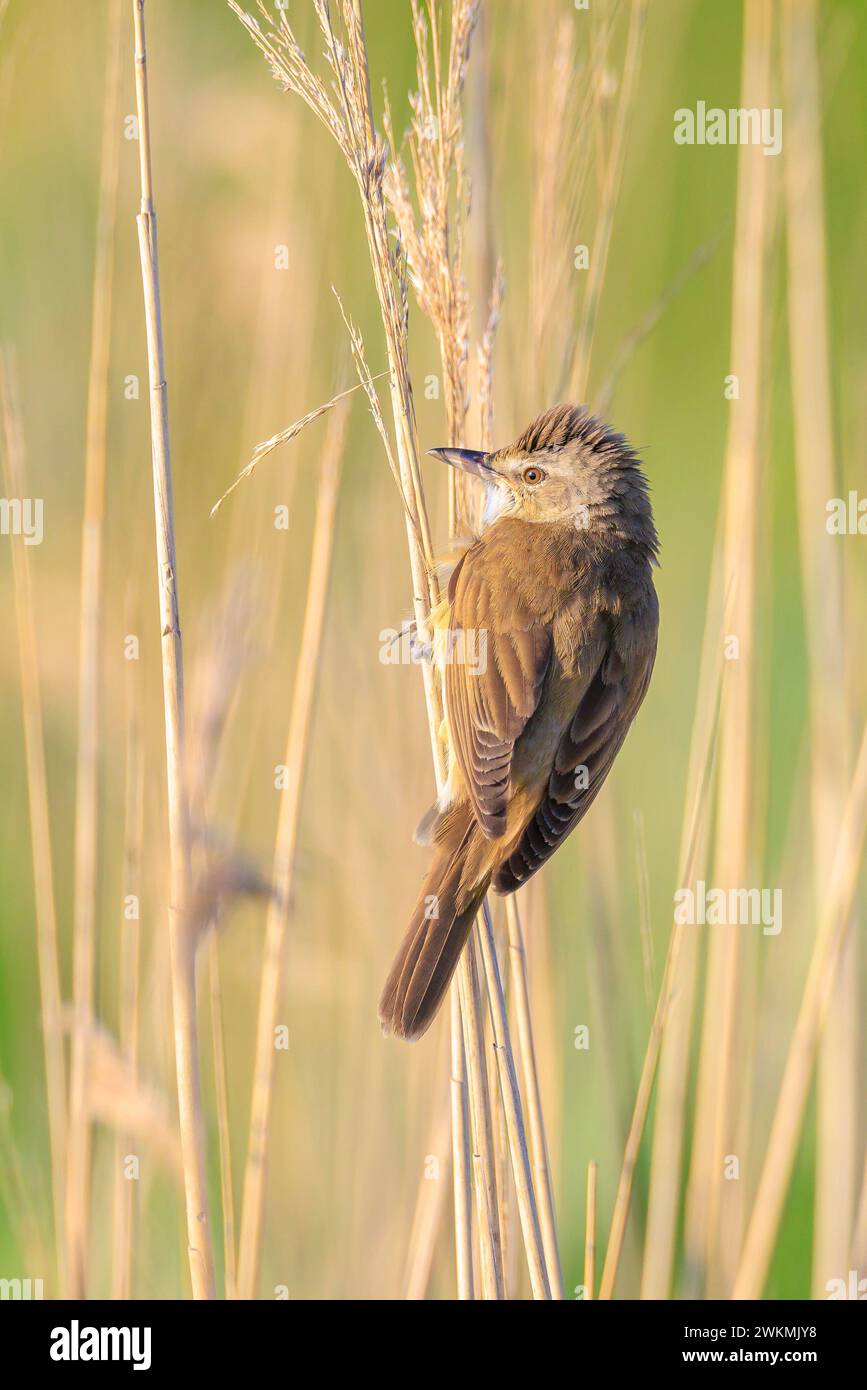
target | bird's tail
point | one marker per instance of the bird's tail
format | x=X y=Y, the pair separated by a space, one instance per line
x=437 y=932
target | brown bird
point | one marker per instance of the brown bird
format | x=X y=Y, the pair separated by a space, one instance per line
x=550 y=637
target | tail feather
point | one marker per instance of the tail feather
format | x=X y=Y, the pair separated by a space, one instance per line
x=432 y=946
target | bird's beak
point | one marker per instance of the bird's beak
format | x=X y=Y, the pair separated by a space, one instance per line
x=470 y=460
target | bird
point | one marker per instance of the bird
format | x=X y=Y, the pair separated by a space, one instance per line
x=546 y=641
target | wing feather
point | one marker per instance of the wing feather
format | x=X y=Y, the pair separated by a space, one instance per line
x=592 y=740
x=490 y=698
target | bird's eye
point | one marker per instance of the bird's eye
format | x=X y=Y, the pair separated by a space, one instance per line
x=532 y=474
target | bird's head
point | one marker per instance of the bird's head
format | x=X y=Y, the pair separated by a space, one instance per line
x=565 y=467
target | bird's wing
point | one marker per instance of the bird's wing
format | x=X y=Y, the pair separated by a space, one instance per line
x=583 y=760
x=495 y=669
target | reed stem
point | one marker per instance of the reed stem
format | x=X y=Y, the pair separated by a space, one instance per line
x=87 y=778
x=532 y=1091
x=182 y=948
x=590 y=1232
x=37 y=791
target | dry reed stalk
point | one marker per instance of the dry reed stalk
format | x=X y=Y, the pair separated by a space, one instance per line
x=129 y=985
x=430 y=1199
x=821 y=563
x=561 y=167
x=599 y=86
x=266 y=363
x=222 y=875
x=511 y=1097
x=644 y=923
x=484 y=1169
x=674 y=1063
x=480 y=231
x=502 y=1172
x=433 y=245
x=485 y=359
x=279 y=355
x=535 y=1118
x=429 y=1207
x=556 y=196
x=708 y=1194
x=37 y=790
x=623 y=1198
x=590 y=1232
x=547 y=1039
x=668 y=1134
x=221 y=1092
x=858 y=1249
x=818 y=992
x=670 y=985
x=267 y=367
x=78 y=1158
x=18 y=1194
x=182 y=947
x=427 y=1224
x=283 y=875
x=460 y=1150
x=580 y=367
